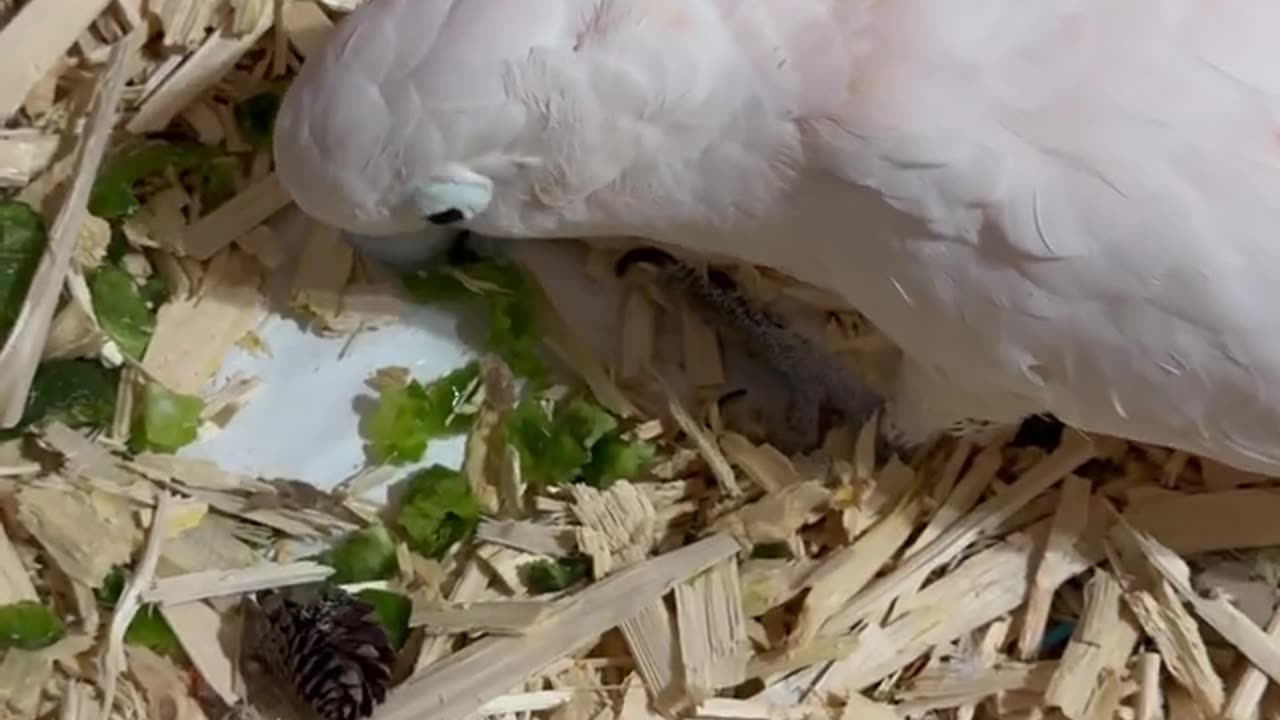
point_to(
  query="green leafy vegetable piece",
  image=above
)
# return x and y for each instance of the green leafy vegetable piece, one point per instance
(112, 196)
(447, 282)
(514, 336)
(586, 422)
(549, 453)
(22, 240)
(77, 393)
(29, 625)
(408, 416)
(436, 285)
(513, 328)
(150, 630)
(218, 182)
(548, 576)
(362, 556)
(121, 309)
(616, 458)
(437, 510)
(155, 290)
(256, 117)
(393, 610)
(168, 420)
(770, 551)
(579, 443)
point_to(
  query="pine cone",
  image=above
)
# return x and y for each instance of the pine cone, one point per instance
(328, 647)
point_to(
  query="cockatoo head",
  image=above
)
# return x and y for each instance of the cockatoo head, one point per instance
(506, 118)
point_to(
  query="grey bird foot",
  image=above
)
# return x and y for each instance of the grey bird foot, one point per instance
(818, 381)
(892, 443)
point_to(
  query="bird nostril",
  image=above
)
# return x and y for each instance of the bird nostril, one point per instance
(445, 217)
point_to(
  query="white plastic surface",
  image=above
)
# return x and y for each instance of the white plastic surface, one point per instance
(302, 422)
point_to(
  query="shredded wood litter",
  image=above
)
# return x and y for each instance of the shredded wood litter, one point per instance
(1029, 577)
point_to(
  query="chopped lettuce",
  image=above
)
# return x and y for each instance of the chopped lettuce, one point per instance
(155, 290)
(77, 393)
(121, 309)
(217, 182)
(585, 421)
(577, 442)
(22, 241)
(167, 421)
(108, 593)
(514, 335)
(549, 453)
(148, 628)
(616, 458)
(393, 610)
(112, 196)
(256, 117)
(436, 285)
(408, 416)
(437, 510)
(548, 576)
(29, 625)
(513, 328)
(770, 551)
(363, 555)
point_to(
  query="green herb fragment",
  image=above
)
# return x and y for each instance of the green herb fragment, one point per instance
(362, 556)
(148, 628)
(218, 183)
(409, 416)
(437, 285)
(393, 610)
(447, 282)
(122, 311)
(76, 393)
(549, 576)
(23, 237)
(112, 587)
(579, 443)
(113, 197)
(28, 625)
(155, 290)
(549, 453)
(615, 458)
(256, 118)
(585, 421)
(514, 334)
(770, 551)
(437, 510)
(168, 420)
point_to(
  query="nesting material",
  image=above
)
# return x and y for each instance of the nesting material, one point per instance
(194, 335)
(1086, 579)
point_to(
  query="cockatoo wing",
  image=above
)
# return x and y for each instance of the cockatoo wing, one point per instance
(1096, 188)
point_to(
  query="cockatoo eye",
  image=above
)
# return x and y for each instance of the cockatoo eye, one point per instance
(446, 217)
(458, 196)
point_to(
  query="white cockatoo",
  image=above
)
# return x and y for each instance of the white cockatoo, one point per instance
(1065, 207)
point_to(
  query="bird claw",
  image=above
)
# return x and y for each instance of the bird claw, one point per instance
(648, 255)
(890, 443)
